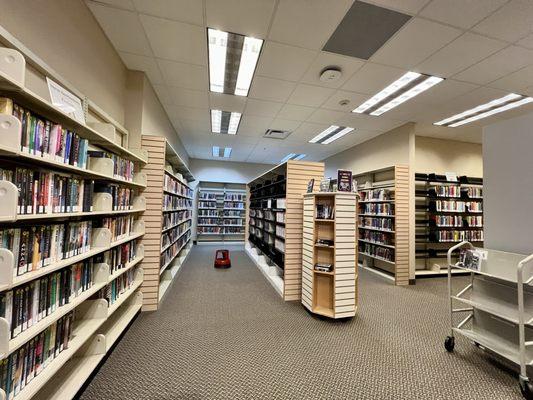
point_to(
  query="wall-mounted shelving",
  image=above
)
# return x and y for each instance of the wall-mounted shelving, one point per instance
(274, 223)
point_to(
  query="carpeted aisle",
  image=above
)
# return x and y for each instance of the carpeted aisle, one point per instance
(226, 334)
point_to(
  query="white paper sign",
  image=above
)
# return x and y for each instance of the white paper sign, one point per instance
(451, 176)
(66, 101)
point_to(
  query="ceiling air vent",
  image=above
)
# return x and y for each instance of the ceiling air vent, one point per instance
(276, 134)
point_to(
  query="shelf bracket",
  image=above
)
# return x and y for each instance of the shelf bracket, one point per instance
(8, 201)
(10, 130)
(4, 338)
(12, 67)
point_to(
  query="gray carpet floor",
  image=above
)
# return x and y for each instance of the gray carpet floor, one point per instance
(226, 334)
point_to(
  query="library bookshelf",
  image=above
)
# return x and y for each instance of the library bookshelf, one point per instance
(168, 219)
(449, 210)
(383, 221)
(329, 255)
(221, 212)
(76, 209)
(274, 223)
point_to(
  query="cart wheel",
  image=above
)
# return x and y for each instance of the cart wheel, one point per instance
(526, 388)
(449, 343)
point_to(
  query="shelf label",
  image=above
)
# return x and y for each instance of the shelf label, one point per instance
(451, 176)
(66, 101)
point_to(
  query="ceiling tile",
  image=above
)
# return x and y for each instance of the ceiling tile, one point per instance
(307, 130)
(145, 64)
(526, 41)
(463, 52)
(196, 127)
(246, 17)
(369, 122)
(497, 65)
(262, 108)
(461, 13)
(472, 99)
(311, 96)
(416, 41)
(295, 61)
(184, 75)
(295, 112)
(254, 126)
(163, 94)
(407, 6)
(323, 116)
(188, 97)
(227, 102)
(347, 65)
(123, 29)
(284, 124)
(271, 89)
(197, 114)
(176, 41)
(517, 81)
(511, 22)
(354, 100)
(372, 78)
(190, 11)
(125, 4)
(317, 19)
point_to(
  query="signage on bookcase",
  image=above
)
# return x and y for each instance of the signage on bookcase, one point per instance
(344, 180)
(451, 176)
(66, 101)
(310, 185)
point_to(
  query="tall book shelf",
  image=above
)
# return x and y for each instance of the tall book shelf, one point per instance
(383, 225)
(71, 199)
(221, 213)
(168, 219)
(449, 210)
(274, 223)
(329, 257)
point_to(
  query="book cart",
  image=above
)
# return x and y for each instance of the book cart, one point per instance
(88, 293)
(496, 311)
(168, 219)
(329, 256)
(274, 223)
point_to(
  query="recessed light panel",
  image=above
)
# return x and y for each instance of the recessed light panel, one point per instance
(225, 122)
(292, 156)
(232, 61)
(331, 134)
(408, 86)
(219, 153)
(496, 106)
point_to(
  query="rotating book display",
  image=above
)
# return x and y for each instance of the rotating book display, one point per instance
(70, 230)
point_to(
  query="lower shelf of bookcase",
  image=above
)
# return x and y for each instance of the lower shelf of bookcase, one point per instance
(275, 280)
(327, 312)
(114, 307)
(170, 274)
(119, 322)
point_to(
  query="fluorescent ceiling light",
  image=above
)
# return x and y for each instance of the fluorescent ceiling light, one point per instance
(225, 121)
(232, 61)
(495, 106)
(408, 86)
(226, 152)
(292, 156)
(216, 151)
(331, 134)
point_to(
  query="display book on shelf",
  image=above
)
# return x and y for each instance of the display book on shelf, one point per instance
(449, 209)
(221, 213)
(168, 219)
(383, 221)
(495, 308)
(274, 223)
(329, 256)
(69, 224)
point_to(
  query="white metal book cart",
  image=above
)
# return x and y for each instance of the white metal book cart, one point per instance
(498, 304)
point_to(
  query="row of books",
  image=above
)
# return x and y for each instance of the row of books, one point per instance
(473, 192)
(256, 213)
(378, 208)
(207, 204)
(122, 197)
(28, 304)
(170, 236)
(36, 247)
(236, 221)
(172, 202)
(118, 257)
(457, 236)
(324, 211)
(174, 218)
(120, 227)
(208, 213)
(210, 229)
(22, 366)
(232, 205)
(375, 194)
(377, 251)
(234, 197)
(458, 221)
(169, 254)
(122, 168)
(117, 287)
(280, 217)
(279, 245)
(280, 231)
(233, 230)
(446, 190)
(47, 139)
(171, 184)
(458, 206)
(378, 237)
(208, 196)
(233, 213)
(208, 221)
(377, 223)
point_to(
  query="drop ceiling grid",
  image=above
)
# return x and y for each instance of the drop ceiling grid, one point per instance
(296, 96)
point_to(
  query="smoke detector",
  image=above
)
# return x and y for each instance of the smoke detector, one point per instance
(276, 134)
(330, 74)
(344, 102)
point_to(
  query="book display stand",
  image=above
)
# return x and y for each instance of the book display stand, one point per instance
(94, 316)
(329, 256)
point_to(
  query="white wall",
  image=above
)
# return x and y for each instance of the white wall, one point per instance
(508, 185)
(226, 171)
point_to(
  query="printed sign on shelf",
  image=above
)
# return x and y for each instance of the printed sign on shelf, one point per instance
(66, 101)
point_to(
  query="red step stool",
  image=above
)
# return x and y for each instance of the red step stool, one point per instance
(222, 259)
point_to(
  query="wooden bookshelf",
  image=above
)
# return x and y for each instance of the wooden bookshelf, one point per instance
(447, 212)
(100, 317)
(332, 293)
(275, 204)
(383, 222)
(168, 219)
